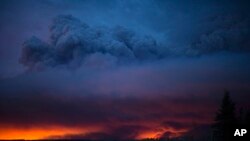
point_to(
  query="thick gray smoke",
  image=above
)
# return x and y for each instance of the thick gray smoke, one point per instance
(74, 43)
(224, 33)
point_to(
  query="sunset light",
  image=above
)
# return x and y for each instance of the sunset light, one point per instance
(39, 133)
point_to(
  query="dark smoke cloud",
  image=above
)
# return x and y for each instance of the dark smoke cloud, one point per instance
(178, 27)
(223, 33)
(74, 43)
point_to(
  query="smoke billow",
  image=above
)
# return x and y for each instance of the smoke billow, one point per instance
(74, 43)
(224, 33)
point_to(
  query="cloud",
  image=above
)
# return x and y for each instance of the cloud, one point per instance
(74, 43)
(225, 32)
(36, 52)
(119, 133)
(192, 29)
(177, 125)
(126, 94)
(115, 117)
(41, 109)
(146, 97)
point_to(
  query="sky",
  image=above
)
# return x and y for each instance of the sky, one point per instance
(119, 69)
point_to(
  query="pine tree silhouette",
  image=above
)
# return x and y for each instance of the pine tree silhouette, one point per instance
(225, 119)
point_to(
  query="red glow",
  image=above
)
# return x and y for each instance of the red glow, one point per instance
(157, 134)
(39, 133)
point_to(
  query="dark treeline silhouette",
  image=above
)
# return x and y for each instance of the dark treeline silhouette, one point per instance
(227, 120)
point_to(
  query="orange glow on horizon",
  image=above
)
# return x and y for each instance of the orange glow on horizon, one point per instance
(157, 134)
(148, 135)
(58, 132)
(39, 133)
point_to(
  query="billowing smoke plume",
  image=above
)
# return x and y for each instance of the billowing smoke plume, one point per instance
(74, 43)
(224, 33)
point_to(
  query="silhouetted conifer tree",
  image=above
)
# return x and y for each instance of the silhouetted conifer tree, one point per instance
(225, 119)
